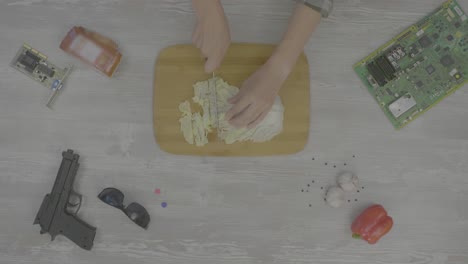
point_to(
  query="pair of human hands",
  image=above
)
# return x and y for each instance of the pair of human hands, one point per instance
(257, 94)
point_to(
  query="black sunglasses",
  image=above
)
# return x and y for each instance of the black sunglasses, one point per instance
(137, 213)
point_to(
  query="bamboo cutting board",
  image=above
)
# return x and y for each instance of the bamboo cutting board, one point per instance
(179, 67)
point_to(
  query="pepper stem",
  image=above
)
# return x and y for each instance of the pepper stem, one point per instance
(356, 236)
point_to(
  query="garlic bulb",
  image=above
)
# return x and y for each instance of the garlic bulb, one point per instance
(347, 181)
(335, 197)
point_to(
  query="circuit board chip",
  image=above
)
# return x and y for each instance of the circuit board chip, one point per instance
(430, 69)
(419, 67)
(46, 70)
(402, 105)
(28, 61)
(425, 41)
(447, 60)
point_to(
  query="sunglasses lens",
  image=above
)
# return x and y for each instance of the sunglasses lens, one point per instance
(138, 214)
(112, 196)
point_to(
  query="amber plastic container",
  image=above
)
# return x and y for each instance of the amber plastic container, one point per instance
(92, 48)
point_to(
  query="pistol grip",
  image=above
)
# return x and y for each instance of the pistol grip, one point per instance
(78, 231)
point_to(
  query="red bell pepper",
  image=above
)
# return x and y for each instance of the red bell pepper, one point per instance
(372, 224)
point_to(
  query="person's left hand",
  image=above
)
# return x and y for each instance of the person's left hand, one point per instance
(256, 97)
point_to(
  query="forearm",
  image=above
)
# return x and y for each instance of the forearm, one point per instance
(303, 23)
(201, 5)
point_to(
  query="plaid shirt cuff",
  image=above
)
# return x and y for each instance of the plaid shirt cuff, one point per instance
(323, 6)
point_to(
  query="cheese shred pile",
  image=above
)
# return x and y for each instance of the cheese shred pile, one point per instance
(196, 126)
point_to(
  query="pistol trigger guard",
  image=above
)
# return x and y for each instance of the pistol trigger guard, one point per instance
(80, 198)
(73, 206)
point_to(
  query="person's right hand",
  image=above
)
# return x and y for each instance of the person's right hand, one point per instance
(211, 34)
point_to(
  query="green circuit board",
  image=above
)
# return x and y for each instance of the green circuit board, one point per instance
(36, 66)
(421, 66)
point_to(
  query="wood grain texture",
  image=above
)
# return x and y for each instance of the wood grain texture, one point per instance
(225, 210)
(179, 67)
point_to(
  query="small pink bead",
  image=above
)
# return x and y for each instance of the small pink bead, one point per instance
(157, 191)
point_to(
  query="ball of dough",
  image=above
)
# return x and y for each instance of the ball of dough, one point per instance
(348, 181)
(335, 197)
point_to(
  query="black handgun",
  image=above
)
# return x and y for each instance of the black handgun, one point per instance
(55, 217)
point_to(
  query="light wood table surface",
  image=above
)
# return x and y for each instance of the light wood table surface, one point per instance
(225, 210)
